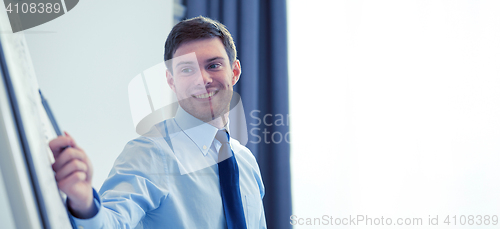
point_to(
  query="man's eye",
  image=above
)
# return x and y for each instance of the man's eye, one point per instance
(186, 70)
(212, 66)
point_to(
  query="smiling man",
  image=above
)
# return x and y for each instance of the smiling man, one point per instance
(204, 79)
(186, 172)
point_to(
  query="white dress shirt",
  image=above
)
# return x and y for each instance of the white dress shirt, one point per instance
(169, 178)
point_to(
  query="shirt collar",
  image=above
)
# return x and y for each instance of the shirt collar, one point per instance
(200, 132)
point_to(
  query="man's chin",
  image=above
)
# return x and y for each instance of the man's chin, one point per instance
(205, 110)
(206, 115)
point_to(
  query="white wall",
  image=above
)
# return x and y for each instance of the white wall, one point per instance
(84, 61)
(395, 108)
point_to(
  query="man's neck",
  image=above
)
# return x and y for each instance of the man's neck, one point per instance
(220, 122)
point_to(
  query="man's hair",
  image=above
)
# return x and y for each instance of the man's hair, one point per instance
(198, 28)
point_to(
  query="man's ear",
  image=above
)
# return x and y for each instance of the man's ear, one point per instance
(170, 80)
(236, 68)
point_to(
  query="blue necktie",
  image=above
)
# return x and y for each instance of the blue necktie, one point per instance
(229, 184)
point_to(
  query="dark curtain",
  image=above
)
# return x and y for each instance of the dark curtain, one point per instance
(259, 31)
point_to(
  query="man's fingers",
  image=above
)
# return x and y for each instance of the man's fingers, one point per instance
(68, 155)
(67, 183)
(66, 134)
(60, 143)
(71, 167)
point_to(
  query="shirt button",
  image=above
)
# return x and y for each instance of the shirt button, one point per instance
(204, 147)
(80, 227)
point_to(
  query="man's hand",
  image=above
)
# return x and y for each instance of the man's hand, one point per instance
(74, 176)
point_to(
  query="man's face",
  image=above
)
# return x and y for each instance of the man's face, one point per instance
(203, 78)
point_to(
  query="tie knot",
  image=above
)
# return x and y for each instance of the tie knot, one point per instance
(222, 136)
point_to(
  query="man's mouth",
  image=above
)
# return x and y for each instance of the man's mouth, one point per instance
(205, 95)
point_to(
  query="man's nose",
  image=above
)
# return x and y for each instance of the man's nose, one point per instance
(206, 77)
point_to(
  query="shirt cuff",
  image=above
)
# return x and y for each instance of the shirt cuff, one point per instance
(94, 222)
